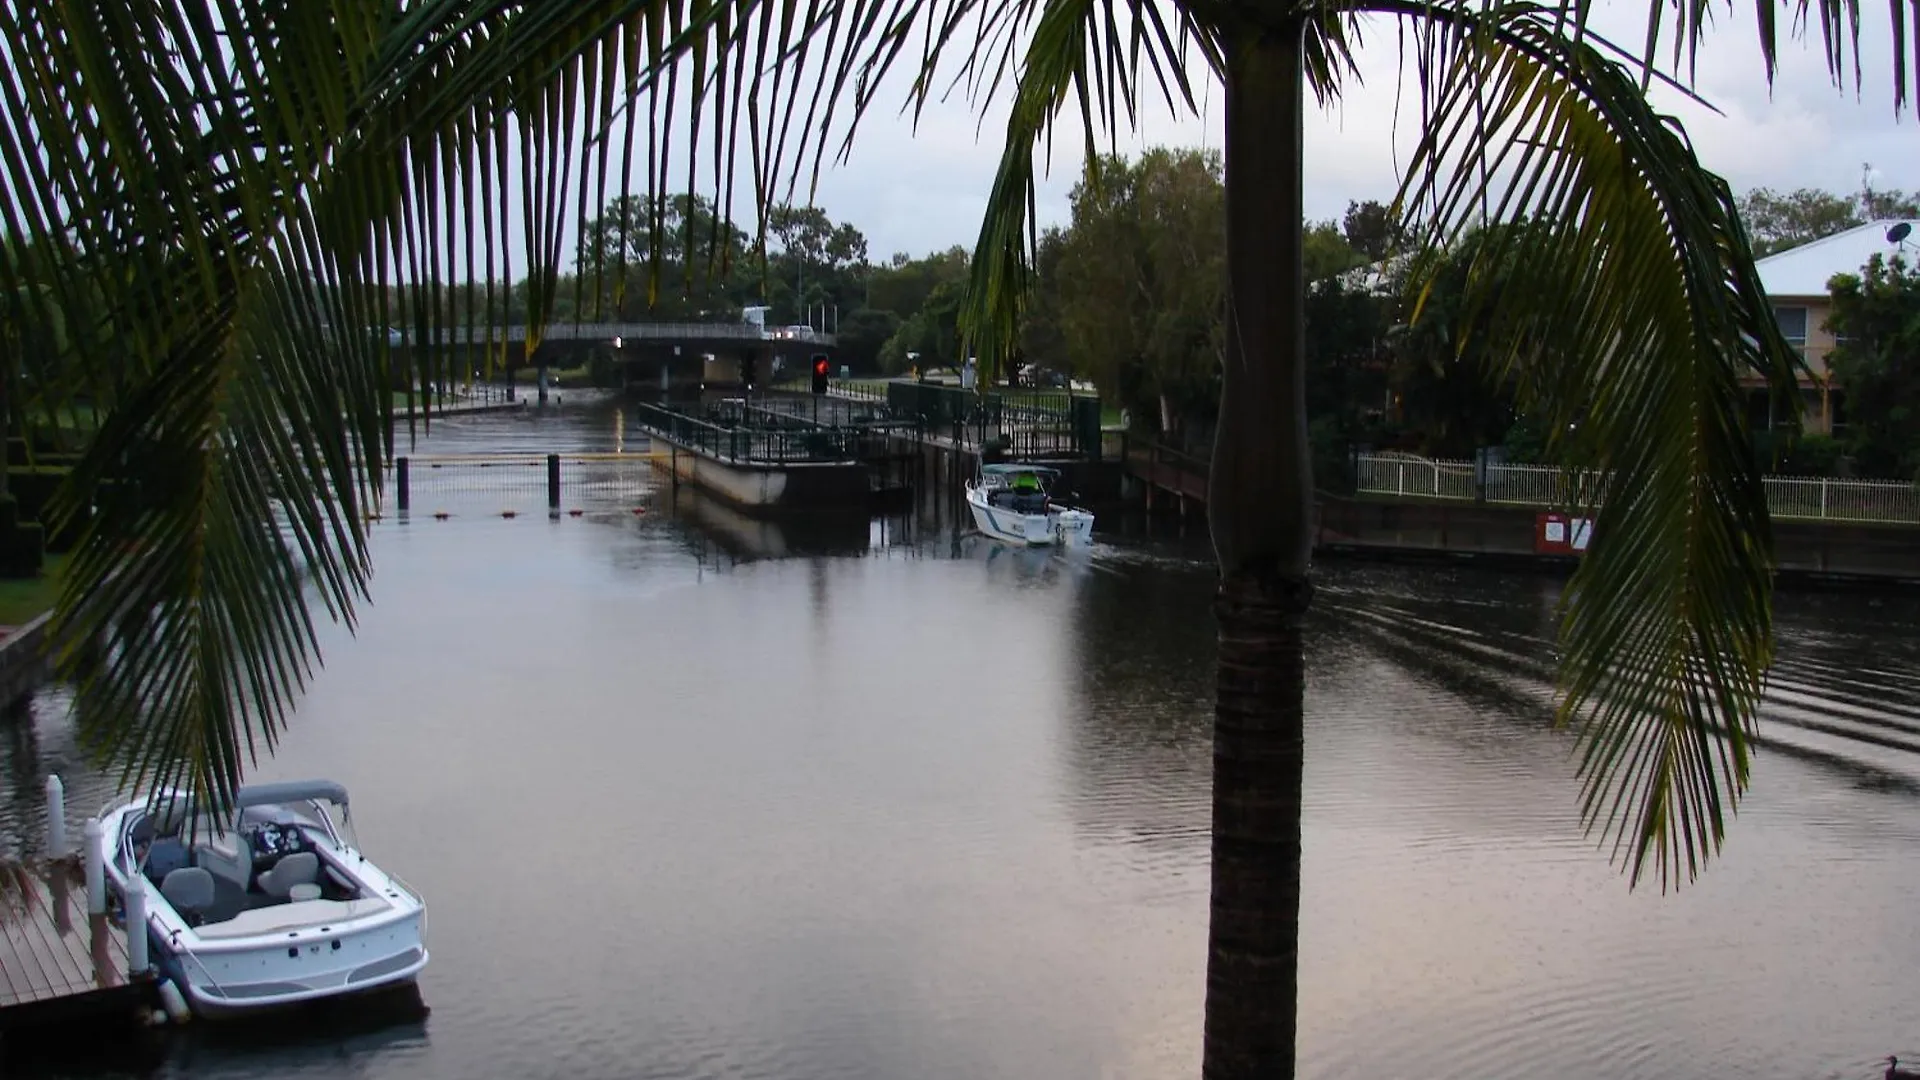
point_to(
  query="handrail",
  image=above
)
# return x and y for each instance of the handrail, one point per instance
(1806, 498)
(520, 458)
(607, 331)
(1162, 454)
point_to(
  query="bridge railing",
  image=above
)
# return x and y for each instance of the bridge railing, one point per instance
(630, 331)
(1788, 497)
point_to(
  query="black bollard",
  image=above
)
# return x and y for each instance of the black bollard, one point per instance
(553, 481)
(402, 496)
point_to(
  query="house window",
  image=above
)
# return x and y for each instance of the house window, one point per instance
(1793, 325)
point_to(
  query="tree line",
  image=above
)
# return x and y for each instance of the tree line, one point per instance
(1128, 295)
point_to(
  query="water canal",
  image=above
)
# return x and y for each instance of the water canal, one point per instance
(909, 809)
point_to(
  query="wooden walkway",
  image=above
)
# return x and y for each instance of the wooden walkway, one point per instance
(56, 961)
(1169, 471)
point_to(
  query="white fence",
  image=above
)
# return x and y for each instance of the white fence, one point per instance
(1788, 497)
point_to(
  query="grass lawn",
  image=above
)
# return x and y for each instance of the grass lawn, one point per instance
(21, 599)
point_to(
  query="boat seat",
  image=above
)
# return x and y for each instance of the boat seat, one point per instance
(300, 868)
(165, 856)
(190, 890)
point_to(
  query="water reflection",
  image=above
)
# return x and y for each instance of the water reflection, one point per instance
(745, 537)
(693, 799)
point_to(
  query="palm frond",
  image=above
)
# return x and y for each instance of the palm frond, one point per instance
(243, 196)
(239, 198)
(1616, 284)
(19, 895)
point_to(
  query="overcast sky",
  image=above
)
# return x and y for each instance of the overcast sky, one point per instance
(921, 191)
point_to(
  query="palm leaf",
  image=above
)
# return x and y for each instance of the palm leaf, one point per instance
(240, 187)
(249, 192)
(1621, 296)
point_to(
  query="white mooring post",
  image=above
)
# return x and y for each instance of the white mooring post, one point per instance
(137, 928)
(96, 870)
(56, 817)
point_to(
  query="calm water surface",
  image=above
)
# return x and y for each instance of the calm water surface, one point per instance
(692, 797)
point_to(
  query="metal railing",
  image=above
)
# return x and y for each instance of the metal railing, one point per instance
(854, 390)
(1826, 499)
(1788, 497)
(772, 439)
(627, 331)
(1414, 477)
(1026, 422)
(516, 482)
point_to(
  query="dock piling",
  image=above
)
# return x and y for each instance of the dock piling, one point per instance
(96, 869)
(137, 929)
(401, 494)
(553, 481)
(56, 817)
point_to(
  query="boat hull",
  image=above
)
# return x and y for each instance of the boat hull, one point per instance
(284, 954)
(1057, 528)
(264, 977)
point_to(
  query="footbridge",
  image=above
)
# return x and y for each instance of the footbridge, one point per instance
(650, 355)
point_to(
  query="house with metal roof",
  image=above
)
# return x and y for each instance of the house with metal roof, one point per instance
(1796, 283)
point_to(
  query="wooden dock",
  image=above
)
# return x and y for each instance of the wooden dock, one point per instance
(56, 961)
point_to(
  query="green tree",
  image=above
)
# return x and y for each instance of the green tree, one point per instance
(1347, 359)
(1876, 316)
(905, 283)
(1139, 286)
(669, 260)
(1043, 341)
(930, 337)
(1372, 229)
(1778, 221)
(862, 333)
(211, 162)
(813, 264)
(1326, 252)
(1453, 393)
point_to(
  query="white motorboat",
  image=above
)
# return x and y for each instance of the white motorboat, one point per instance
(271, 906)
(1014, 502)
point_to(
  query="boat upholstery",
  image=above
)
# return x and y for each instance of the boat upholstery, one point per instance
(189, 889)
(225, 856)
(165, 856)
(291, 916)
(1020, 502)
(300, 868)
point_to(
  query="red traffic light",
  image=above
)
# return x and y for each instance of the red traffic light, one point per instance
(819, 365)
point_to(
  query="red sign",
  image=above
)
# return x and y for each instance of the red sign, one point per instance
(1561, 534)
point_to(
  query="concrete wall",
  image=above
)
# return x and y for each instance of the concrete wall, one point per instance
(770, 488)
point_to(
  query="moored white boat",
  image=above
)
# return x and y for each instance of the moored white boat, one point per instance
(271, 906)
(1014, 503)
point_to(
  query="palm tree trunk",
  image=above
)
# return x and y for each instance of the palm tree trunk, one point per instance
(1260, 511)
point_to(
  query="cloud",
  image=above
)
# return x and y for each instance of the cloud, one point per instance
(925, 190)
